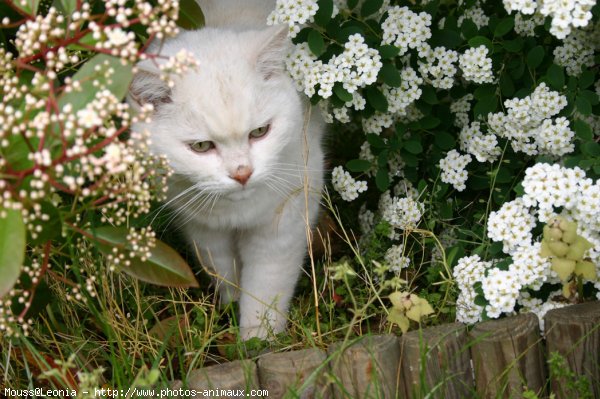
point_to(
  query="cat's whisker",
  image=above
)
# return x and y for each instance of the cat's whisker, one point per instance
(198, 201)
(188, 191)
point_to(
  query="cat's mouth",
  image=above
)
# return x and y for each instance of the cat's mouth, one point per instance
(240, 194)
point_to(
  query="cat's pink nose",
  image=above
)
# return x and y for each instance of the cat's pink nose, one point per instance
(242, 174)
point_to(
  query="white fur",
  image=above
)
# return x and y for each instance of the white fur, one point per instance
(254, 236)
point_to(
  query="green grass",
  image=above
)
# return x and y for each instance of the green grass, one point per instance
(123, 334)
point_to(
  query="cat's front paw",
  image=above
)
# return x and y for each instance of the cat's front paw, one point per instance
(247, 333)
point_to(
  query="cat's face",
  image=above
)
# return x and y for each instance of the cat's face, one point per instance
(225, 126)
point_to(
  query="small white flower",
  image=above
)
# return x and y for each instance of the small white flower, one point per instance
(88, 118)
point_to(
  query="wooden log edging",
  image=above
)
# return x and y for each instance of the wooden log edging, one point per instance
(443, 368)
(574, 332)
(507, 355)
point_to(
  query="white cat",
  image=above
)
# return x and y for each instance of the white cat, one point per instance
(247, 156)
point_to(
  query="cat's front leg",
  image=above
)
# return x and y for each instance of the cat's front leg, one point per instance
(272, 257)
(215, 249)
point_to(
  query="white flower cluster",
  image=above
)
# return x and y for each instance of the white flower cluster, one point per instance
(532, 268)
(526, 26)
(294, 13)
(406, 29)
(548, 188)
(460, 108)
(38, 32)
(357, 67)
(565, 14)
(501, 289)
(475, 14)
(468, 271)
(177, 64)
(576, 53)
(345, 184)
(119, 42)
(528, 124)
(539, 307)
(402, 213)
(366, 219)
(395, 259)
(476, 65)
(399, 100)
(453, 169)
(439, 66)
(512, 225)
(484, 147)
(552, 186)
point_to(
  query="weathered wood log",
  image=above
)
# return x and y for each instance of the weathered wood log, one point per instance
(436, 361)
(227, 378)
(368, 368)
(507, 356)
(574, 332)
(299, 374)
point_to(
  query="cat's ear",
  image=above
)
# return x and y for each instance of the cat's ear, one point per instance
(273, 47)
(147, 88)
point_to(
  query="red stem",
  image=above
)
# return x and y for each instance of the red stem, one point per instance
(43, 270)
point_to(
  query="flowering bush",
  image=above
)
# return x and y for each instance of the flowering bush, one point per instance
(74, 178)
(465, 156)
(475, 122)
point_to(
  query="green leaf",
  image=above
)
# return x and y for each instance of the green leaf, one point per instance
(358, 165)
(444, 140)
(50, 228)
(481, 41)
(583, 105)
(583, 130)
(555, 76)
(504, 26)
(590, 96)
(382, 179)
(485, 106)
(165, 267)
(190, 15)
(388, 51)
(591, 148)
(469, 29)
(535, 56)
(447, 38)
(352, 4)
(586, 79)
(390, 75)
(513, 46)
(323, 15)
(17, 152)
(429, 122)
(117, 84)
(481, 301)
(507, 87)
(65, 6)
(376, 99)
(413, 146)
(12, 248)
(429, 95)
(29, 7)
(454, 254)
(375, 141)
(370, 7)
(342, 93)
(485, 91)
(397, 317)
(316, 42)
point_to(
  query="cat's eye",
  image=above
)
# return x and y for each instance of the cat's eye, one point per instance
(201, 146)
(259, 132)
